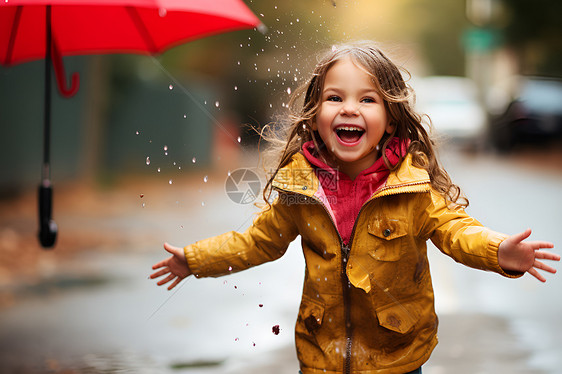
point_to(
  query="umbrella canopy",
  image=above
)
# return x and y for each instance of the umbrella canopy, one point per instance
(50, 29)
(105, 26)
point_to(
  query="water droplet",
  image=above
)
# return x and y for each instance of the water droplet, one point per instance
(217, 104)
(194, 160)
(239, 139)
(137, 132)
(289, 90)
(235, 88)
(171, 87)
(143, 205)
(205, 179)
(165, 148)
(185, 116)
(230, 268)
(158, 170)
(170, 181)
(148, 160)
(202, 203)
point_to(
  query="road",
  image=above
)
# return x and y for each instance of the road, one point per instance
(95, 311)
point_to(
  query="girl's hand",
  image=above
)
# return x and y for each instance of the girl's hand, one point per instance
(175, 266)
(516, 255)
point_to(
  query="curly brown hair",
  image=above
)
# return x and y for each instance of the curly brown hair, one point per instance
(288, 139)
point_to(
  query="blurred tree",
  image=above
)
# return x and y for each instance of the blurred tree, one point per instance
(442, 25)
(534, 32)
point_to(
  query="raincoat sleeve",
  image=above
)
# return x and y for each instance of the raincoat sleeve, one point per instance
(265, 240)
(462, 237)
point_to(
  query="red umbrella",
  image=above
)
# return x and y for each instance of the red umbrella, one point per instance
(50, 29)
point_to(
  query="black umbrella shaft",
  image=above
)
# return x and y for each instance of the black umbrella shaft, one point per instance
(46, 173)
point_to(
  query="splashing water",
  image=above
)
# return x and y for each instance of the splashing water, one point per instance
(206, 179)
(148, 160)
(170, 181)
(171, 87)
(193, 160)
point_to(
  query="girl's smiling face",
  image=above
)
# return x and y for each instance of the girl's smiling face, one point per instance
(351, 118)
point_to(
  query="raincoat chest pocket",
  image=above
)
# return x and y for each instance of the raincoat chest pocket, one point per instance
(388, 235)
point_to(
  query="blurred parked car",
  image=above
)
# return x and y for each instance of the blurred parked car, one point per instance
(452, 105)
(531, 111)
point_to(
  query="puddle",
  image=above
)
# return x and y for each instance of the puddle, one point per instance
(196, 364)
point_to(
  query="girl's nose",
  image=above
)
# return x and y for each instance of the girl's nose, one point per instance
(349, 109)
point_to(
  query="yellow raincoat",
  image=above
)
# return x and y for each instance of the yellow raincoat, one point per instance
(367, 307)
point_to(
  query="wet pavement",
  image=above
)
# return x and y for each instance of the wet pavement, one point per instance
(95, 311)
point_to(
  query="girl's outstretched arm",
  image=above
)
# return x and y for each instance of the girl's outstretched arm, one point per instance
(175, 266)
(514, 254)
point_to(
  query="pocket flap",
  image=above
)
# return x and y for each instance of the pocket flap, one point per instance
(400, 316)
(387, 228)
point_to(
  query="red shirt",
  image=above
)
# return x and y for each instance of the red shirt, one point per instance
(344, 197)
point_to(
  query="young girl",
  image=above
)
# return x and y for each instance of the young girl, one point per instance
(359, 181)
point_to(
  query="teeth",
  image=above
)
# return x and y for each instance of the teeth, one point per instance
(349, 128)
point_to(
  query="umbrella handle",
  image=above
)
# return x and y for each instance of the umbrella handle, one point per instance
(60, 74)
(47, 227)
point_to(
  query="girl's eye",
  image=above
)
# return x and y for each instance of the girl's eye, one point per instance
(368, 100)
(333, 98)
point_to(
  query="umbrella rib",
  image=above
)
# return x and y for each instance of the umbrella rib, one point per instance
(13, 33)
(141, 27)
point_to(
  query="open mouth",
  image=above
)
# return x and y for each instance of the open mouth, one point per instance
(349, 134)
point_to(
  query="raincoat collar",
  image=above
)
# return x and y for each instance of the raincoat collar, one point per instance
(298, 176)
(393, 152)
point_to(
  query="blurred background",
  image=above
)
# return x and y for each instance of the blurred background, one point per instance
(142, 153)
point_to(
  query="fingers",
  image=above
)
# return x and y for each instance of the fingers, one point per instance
(539, 245)
(160, 264)
(166, 280)
(536, 274)
(547, 256)
(540, 265)
(178, 279)
(159, 273)
(171, 249)
(521, 236)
